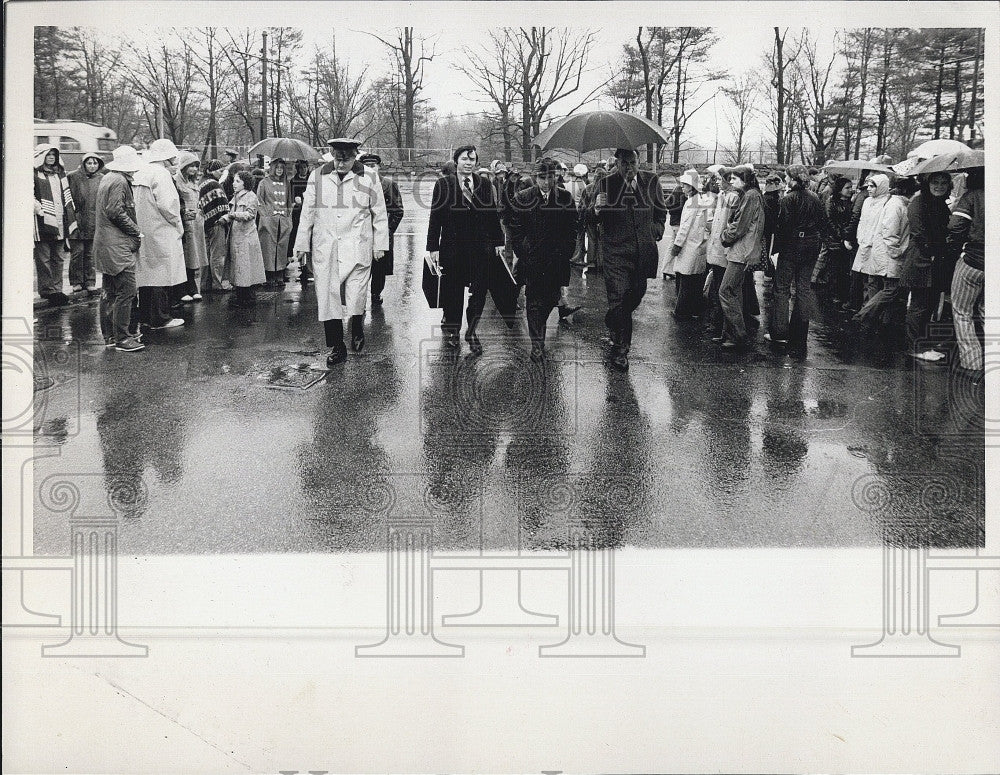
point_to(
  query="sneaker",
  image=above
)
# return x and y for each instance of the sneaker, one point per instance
(187, 297)
(932, 356)
(77, 288)
(174, 323)
(226, 286)
(196, 297)
(129, 346)
(110, 341)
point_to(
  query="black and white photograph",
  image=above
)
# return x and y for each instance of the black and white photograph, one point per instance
(500, 387)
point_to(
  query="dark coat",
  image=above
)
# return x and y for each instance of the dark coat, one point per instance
(928, 219)
(464, 233)
(84, 188)
(116, 230)
(543, 231)
(632, 222)
(394, 209)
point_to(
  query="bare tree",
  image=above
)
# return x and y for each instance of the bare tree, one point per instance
(692, 46)
(778, 60)
(493, 73)
(410, 53)
(819, 119)
(163, 77)
(283, 44)
(743, 95)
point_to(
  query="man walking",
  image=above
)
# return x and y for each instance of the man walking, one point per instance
(116, 250)
(632, 213)
(394, 209)
(343, 227)
(543, 229)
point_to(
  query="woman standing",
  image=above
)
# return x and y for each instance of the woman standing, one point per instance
(55, 222)
(246, 261)
(833, 268)
(725, 200)
(875, 200)
(275, 226)
(927, 215)
(690, 248)
(801, 223)
(195, 248)
(743, 236)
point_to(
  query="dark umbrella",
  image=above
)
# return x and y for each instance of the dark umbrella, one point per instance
(284, 148)
(601, 129)
(951, 162)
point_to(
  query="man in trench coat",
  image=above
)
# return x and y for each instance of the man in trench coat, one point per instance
(632, 213)
(343, 228)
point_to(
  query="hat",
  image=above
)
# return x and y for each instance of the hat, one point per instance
(162, 150)
(230, 152)
(277, 160)
(546, 166)
(186, 159)
(619, 152)
(496, 166)
(717, 169)
(370, 158)
(691, 178)
(215, 165)
(798, 172)
(343, 144)
(580, 170)
(326, 156)
(125, 159)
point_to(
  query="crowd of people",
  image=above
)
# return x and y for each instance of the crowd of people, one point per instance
(897, 252)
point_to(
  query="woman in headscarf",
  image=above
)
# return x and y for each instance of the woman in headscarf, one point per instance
(689, 250)
(55, 222)
(195, 247)
(927, 214)
(743, 235)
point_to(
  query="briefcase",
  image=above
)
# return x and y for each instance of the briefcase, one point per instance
(431, 284)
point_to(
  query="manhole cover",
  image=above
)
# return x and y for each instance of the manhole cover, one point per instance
(299, 376)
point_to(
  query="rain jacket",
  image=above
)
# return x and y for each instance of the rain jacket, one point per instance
(868, 221)
(116, 231)
(928, 220)
(195, 248)
(343, 223)
(724, 203)
(275, 222)
(967, 228)
(158, 207)
(245, 263)
(84, 187)
(744, 234)
(693, 234)
(890, 238)
(55, 215)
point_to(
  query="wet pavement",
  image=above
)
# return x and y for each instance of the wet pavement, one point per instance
(222, 436)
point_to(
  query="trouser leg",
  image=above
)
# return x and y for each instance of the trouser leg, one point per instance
(537, 311)
(477, 301)
(804, 307)
(81, 268)
(967, 303)
(154, 303)
(108, 293)
(123, 304)
(731, 300)
(918, 316)
(856, 292)
(378, 281)
(49, 267)
(333, 330)
(216, 239)
(751, 305)
(452, 302)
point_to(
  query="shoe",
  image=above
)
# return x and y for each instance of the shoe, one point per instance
(451, 340)
(932, 356)
(358, 342)
(337, 355)
(619, 360)
(77, 288)
(474, 344)
(537, 353)
(729, 344)
(137, 336)
(129, 346)
(110, 342)
(796, 352)
(174, 323)
(91, 289)
(718, 339)
(187, 297)
(226, 286)
(196, 297)
(58, 299)
(565, 310)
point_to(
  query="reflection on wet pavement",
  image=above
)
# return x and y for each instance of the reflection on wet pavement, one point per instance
(692, 447)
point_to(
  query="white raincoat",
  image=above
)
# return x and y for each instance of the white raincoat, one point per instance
(692, 235)
(343, 223)
(158, 212)
(716, 251)
(868, 225)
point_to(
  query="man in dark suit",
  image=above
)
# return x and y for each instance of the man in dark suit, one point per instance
(632, 213)
(543, 230)
(394, 207)
(464, 239)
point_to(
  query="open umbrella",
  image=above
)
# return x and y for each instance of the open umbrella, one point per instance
(951, 162)
(853, 165)
(933, 148)
(284, 148)
(601, 129)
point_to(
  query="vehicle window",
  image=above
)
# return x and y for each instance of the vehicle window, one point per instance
(105, 145)
(69, 144)
(41, 140)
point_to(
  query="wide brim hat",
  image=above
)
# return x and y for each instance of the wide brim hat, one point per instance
(691, 178)
(343, 144)
(580, 170)
(162, 150)
(125, 158)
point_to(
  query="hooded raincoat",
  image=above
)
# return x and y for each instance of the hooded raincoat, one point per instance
(245, 267)
(195, 248)
(275, 226)
(692, 235)
(84, 187)
(55, 215)
(868, 224)
(158, 208)
(343, 222)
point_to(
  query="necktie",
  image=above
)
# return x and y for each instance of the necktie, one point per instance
(467, 189)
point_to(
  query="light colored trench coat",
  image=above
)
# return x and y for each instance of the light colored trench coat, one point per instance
(195, 248)
(158, 212)
(692, 235)
(343, 223)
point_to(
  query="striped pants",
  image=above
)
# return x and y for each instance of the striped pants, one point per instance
(968, 305)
